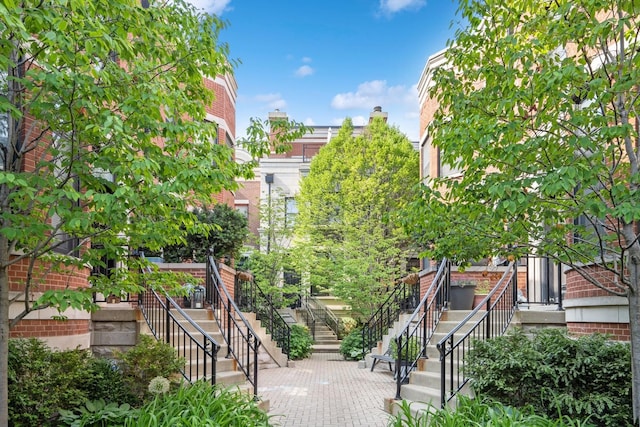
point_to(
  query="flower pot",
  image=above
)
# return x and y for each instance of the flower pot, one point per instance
(477, 299)
(461, 297)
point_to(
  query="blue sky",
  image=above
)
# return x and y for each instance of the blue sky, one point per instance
(322, 61)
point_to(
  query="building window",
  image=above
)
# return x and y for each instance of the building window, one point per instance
(291, 211)
(244, 210)
(446, 170)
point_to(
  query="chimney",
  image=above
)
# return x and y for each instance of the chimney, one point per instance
(377, 112)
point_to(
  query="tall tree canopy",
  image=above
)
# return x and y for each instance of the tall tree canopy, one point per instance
(539, 108)
(105, 143)
(348, 225)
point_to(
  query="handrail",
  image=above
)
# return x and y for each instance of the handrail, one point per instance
(200, 353)
(494, 322)
(412, 341)
(249, 297)
(242, 341)
(403, 297)
(324, 314)
(309, 319)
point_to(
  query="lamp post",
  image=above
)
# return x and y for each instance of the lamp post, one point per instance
(268, 178)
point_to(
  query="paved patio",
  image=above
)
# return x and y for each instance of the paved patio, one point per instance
(325, 390)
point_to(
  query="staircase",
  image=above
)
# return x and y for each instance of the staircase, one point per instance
(226, 368)
(325, 341)
(424, 387)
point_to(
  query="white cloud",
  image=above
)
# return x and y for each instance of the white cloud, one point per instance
(393, 6)
(304, 71)
(309, 122)
(216, 7)
(271, 100)
(400, 102)
(306, 59)
(375, 92)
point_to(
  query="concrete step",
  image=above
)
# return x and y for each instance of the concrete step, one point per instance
(325, 348)
(418, 393)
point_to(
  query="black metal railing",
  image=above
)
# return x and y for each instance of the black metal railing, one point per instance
(309, 319)
(500, 305)
(167, 322)
(404, 297)
(545, 281)
(324, 315)
(413, 338)
(242, 341)
(250, 298)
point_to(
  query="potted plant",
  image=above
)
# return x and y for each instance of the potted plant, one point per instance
(462, 294)
(482, 290)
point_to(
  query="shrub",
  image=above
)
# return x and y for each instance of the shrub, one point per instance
(146, 360)
(200, 405)
(106, 382)
(587, 377)
(301, 341)
(351, 346)
(43, 381)
(410, 349)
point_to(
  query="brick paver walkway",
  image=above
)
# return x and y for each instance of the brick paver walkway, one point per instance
(326, 391)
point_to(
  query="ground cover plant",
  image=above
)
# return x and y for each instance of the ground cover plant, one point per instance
(476, 412)
(554, 374)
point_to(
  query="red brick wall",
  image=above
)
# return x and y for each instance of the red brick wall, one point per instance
(618, 331)
(251, 191)
(579, 287)
(46, 280)
(223, 106)
(476, 276)
(228, 276)
(49, 328)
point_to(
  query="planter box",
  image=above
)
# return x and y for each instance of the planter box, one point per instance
(461, 297)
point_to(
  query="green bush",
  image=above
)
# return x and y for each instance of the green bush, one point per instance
(301, 341)
(476, 412)
(148, 359)
(410, 350)
(200, 405)
(42, 381)
(351, 346)
(106, 382)
(587, 377)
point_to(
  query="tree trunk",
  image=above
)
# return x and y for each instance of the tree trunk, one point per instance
(4, 332)
(634, 326)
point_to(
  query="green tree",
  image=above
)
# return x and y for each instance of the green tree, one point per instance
(277, 256)
(348, 227)
(539, 108)
(226, 239)
(105, 145)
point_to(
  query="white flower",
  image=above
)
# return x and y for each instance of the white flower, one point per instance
(159, 385)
